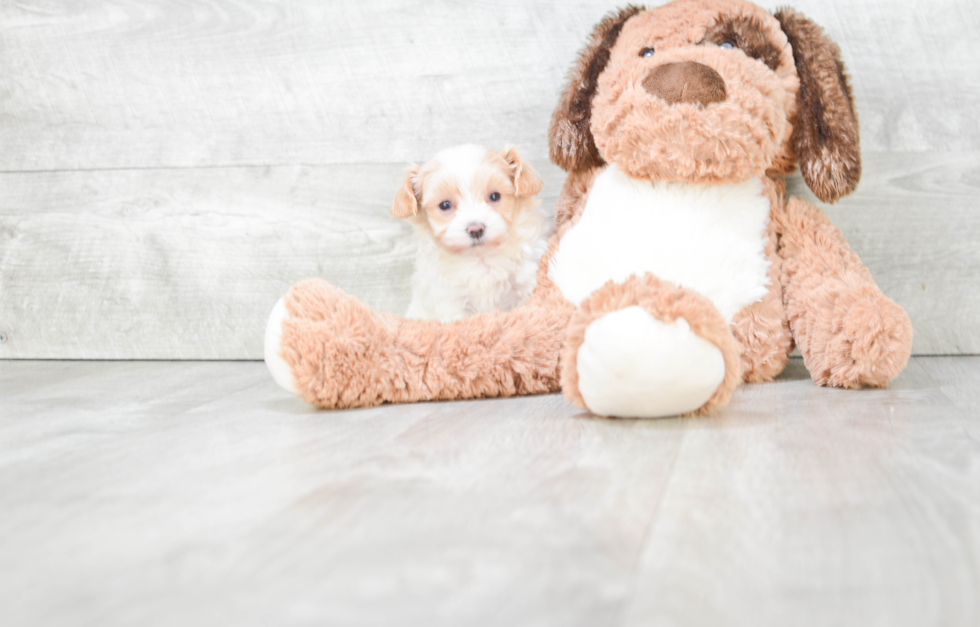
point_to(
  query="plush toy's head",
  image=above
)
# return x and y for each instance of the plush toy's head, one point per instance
(710, 91)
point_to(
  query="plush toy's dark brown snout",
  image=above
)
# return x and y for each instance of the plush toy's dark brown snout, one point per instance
(686, 81)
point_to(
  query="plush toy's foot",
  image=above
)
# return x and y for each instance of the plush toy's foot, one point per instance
(633, 365)
(865, 341)
(646, 349)
(278, 368)
(849, 333)
(324, 346)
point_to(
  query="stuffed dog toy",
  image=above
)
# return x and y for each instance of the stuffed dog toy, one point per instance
(679, 267)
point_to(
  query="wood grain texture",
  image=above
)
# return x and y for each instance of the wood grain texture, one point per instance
(192, 493)
(163, 83)
(244, 82)
(186, 263)
(169, 168)
(847, 517)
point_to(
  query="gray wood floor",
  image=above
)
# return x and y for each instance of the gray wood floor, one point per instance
(167, 493)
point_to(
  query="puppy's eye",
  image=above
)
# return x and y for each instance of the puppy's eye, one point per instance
(494, 197)
(445, 205)
(727, 45)
(646, 52)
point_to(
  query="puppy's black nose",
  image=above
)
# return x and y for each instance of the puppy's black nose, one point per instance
(475, 230)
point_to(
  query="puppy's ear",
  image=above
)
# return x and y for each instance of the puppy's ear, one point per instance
(570, 139)
(825, 131)
(526, 180)
(406, 202)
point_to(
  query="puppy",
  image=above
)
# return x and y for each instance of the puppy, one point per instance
(479, 228)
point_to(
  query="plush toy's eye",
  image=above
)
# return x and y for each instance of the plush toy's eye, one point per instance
(494, 197)
(646, 52)
(445, 205)
(727, 45)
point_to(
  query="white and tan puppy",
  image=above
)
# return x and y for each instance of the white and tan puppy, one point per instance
(480, 231)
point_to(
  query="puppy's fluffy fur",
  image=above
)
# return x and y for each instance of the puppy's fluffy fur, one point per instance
(479, 228)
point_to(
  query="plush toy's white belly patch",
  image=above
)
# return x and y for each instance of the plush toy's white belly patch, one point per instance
(709, 238)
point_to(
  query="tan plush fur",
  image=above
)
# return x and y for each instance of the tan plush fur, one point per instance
(761, 329)
(573, 195)
(664, 301)
(729, 141)
(850, 334)
(344, 354)
(569, 136)
(786, 98)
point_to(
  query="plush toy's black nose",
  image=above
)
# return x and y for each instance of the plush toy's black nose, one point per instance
(475, 230)
(686, 81)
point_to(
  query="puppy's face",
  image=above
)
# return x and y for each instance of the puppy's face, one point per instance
(468, 198)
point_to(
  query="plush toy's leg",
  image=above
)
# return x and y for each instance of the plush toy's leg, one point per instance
(761, 329)
(341, 353)
(646, 348)
(763, 334)
(850, 334)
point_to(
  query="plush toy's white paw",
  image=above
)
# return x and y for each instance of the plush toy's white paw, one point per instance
(632, 365)
(277, 366)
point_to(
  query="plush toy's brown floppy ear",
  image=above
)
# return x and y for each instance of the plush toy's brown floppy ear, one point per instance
(825, 131)
(526, 180)
(570, 136)
(406, 203)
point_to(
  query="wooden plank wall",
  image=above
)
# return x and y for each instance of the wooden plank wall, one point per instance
(169, 168)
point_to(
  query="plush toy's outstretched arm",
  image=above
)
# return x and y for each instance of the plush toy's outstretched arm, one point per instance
(341, 353)
(850, 334)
